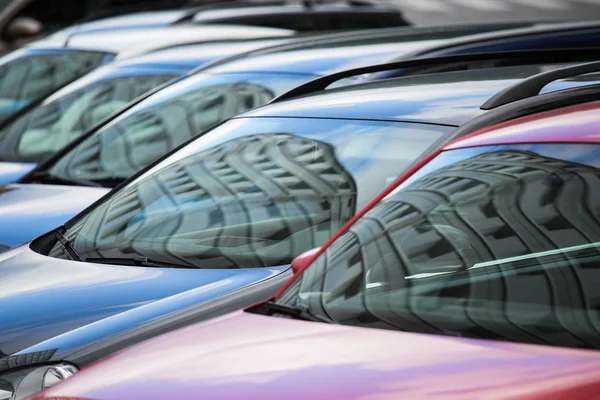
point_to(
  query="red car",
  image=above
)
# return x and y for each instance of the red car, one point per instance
(475, 276)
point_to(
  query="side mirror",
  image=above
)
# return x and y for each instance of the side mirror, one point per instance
(304, 260)
(23, 27)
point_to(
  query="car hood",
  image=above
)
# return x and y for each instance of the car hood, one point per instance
(30, 210)
(11, 172)
(260, 357)
(43, 297)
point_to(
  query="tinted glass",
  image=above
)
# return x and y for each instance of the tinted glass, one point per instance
(45, 129)
(33, 76)
(499, 242)
(254, 192)
(166, 120)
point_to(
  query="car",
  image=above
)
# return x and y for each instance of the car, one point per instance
(22, 21)
(538, 36)
(472, 274)
(159, 122)
(296, 15)
(47, 125)
(42, 67)
(213, 226)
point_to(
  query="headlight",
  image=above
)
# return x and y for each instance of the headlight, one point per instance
(17, 385)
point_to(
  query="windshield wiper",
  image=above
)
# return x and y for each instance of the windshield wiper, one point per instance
(300, 312)
(137, 261)
(66, 246)
(46, 177)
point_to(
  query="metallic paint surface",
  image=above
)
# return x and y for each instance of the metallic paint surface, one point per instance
(248, 356)
(11, 172)
(42, 297)
(30, 210)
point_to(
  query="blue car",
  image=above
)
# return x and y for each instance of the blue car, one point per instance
(45, 127)
(163, 120)
(215, 224)
(39, 69)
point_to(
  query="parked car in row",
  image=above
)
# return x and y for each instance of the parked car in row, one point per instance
(214, 225)
(48, 125)
(22, 21)
(42, 67)
(476, 271)
(301, 16)
(307, 58)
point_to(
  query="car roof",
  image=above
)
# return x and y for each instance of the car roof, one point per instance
(497, 38)
(294, 9)
(450, 98)
(191, 55)
(144, 40)
(323, 54)
(578, 123)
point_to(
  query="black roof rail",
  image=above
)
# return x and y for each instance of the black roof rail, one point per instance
(532, 86)
(554, 55)
(530, 105)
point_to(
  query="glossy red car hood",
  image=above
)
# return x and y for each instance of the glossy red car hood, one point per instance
(245, 356)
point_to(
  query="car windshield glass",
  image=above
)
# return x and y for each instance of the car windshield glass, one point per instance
(253, 192)
(52, 125)
(166, 120)
(499, 242)
(29, 75)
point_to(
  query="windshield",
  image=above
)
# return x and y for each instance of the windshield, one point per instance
(29, 75)
(253, 192)
(166, 120)
(499, 242)
(47, 128)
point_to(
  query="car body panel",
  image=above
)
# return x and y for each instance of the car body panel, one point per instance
(451, 98)
(11, 172)
(78, 293)
(31, 210)
(273, 358)
(542, 36)
(323, 61)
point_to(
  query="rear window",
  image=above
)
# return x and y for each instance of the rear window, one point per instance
(499, 242)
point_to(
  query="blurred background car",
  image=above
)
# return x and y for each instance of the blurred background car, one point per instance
(489, 247)
(42, 67)
(47, 125)
(25, 20)
(213, 226)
